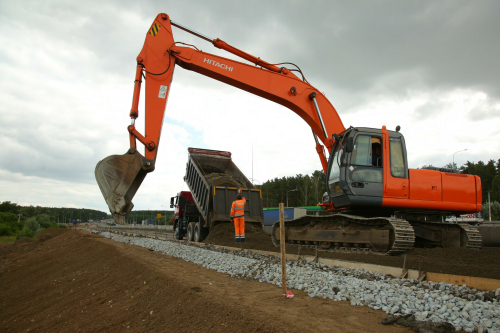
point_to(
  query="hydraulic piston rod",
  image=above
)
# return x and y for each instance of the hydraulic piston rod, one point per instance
(191, 31)
(312, 96)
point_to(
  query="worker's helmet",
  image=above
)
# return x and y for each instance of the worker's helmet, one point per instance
(238, 194)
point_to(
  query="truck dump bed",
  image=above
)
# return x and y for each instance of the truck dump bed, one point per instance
(213, 180)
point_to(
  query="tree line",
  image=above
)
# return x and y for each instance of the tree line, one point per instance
(300, 190)
(56, 215)
(22, 221)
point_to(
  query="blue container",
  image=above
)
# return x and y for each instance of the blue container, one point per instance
(271, 216)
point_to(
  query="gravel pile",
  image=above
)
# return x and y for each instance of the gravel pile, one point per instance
(222, 179)
(463, 307)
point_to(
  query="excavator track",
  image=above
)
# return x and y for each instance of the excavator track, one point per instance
(445, 234)
(402, 235)
(474, 239)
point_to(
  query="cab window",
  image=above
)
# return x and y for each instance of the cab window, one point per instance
(397, 158)
(366, 159)
(334, 176)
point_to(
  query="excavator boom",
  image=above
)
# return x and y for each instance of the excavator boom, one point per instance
(119, 176)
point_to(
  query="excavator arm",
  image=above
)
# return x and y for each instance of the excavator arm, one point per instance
(119, 176)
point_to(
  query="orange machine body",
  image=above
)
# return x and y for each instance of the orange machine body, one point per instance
(430, 190)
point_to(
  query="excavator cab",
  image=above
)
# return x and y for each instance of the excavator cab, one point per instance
(361, 162)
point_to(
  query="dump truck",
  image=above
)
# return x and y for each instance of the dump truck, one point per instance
(213, 180)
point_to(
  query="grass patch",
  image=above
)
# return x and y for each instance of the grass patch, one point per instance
(7, 240)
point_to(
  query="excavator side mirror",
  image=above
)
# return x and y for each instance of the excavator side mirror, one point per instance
(350, 145)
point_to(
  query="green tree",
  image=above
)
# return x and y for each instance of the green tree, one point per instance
(45, 221)
(451, 166)
(5, 230)
(8, 207)
(28, 211)
(495, 211)
(310, 189)
(486, 172)
(318, 180)
(305, 189)
(26, 232)
(8, 217)
(495, 189)
(32, 224)
(8, 224)
(426, 166)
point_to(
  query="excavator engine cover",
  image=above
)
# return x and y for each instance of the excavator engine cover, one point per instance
(119, 177)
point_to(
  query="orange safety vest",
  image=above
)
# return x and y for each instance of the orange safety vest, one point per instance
(238, 208)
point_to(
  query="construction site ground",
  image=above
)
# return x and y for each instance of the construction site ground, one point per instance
(457, 261)
(75, 281)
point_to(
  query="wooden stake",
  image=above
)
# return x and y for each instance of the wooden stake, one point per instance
(282, 246)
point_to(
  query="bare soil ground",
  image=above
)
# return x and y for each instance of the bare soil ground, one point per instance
(457, 261)
(74, 281)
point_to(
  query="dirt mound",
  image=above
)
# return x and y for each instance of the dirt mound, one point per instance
(255, 237)
(222, 179)
(43, 238)
(54, 231)
(23, 240)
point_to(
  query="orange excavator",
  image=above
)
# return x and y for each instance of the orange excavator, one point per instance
(377, 203)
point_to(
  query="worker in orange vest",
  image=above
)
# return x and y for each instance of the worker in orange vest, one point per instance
(238, 217)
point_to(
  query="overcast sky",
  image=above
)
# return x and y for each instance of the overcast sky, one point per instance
(67, 70)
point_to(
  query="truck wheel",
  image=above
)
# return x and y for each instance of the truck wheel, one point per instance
(198, 232)
(190, 231)
(179, 235)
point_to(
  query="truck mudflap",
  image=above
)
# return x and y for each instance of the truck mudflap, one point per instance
(119, 177)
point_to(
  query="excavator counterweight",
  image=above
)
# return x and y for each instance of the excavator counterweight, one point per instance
(119, 177)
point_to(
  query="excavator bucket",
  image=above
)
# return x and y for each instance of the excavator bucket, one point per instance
(119, 177)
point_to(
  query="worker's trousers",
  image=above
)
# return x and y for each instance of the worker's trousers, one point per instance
(239, 229)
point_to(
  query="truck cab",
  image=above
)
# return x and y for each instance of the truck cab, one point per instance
(185, 211)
